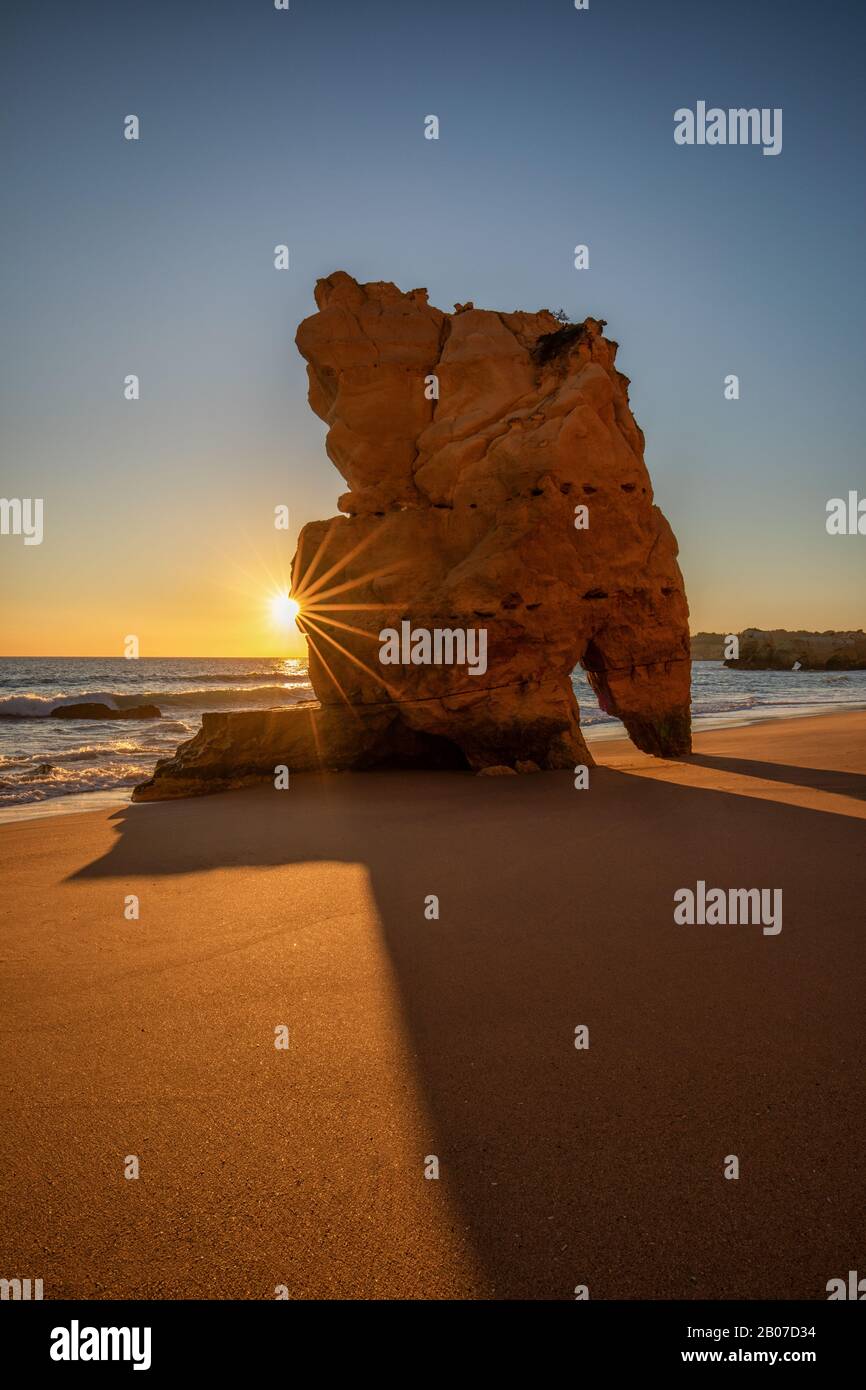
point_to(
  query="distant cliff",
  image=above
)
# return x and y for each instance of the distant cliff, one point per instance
(708, 646)
(811, 651)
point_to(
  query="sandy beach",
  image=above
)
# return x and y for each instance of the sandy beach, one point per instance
(409, 1037)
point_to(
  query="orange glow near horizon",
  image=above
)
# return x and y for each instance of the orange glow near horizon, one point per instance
(207, 605)
(223, 589)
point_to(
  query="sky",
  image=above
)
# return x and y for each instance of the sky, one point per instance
(306, 127)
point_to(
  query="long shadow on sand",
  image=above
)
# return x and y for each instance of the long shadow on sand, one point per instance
(821, 779)
(602, 1166)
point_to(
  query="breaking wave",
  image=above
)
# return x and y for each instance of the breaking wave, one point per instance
(41, 706)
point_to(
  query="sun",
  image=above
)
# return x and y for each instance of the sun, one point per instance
(284, 609)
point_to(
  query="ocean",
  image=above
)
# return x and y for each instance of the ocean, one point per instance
(48, 766)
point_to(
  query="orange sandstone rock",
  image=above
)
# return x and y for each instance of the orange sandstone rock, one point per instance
(461, 514)
(496, 484)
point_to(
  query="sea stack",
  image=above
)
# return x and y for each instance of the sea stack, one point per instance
(496, 484)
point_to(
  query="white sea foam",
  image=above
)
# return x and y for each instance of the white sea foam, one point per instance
(40, 706)
(102, 759)
(32, 706)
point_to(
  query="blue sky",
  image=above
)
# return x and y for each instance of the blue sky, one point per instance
(306, 127)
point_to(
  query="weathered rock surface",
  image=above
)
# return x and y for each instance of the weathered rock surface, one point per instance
(460, 515)
(779, 650)
(242, 747)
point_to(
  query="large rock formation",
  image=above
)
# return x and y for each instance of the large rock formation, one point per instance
(497, 488)
(779, 650)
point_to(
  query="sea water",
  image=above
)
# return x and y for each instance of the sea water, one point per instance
(53, 765)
